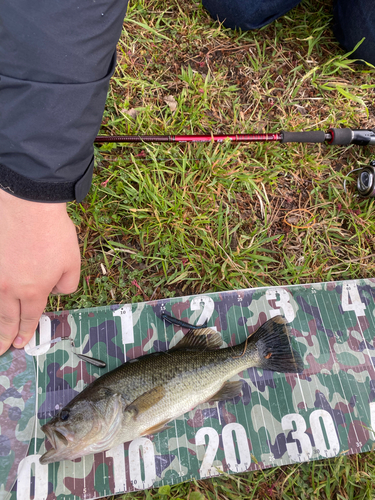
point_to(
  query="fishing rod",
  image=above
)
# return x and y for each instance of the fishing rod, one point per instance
(333, 136)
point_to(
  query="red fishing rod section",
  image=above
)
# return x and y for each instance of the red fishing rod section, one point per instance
(335, 136)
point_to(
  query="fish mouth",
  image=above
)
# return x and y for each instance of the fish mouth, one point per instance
(60, 440)
(56, 438)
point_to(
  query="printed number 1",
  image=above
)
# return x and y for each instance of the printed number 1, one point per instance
(118, 456)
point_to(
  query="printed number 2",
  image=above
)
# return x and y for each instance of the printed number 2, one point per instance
(207, 468)
(350, 291)
(208, 307)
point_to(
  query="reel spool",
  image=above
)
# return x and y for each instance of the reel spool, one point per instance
(366, 181)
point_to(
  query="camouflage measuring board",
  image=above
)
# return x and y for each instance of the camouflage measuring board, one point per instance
(17, 414)
(327, 410)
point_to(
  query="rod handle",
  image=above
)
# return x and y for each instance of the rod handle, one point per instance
(311, 136)
(346, 136)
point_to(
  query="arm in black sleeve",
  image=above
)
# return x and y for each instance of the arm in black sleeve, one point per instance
(56, 59)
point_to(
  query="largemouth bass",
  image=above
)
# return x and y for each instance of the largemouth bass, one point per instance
(140, 397)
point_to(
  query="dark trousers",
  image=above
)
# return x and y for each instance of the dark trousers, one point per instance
(352, 19)
(56, 59)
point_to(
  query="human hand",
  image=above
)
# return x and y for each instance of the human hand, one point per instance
(39, 254)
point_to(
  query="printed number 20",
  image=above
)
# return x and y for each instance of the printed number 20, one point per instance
(207, 468)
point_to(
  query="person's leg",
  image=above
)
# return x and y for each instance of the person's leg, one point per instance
(56, 59)
(352, 21)
(248, 14)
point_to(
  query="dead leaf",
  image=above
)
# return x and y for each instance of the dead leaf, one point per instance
(172, 103)
(133, 113)
(301, 109)
(293, 220)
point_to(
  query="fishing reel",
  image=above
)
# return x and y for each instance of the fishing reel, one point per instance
(365, 180)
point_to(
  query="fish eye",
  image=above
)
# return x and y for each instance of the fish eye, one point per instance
(64, 415)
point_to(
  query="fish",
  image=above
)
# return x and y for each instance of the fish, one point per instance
(140, 397)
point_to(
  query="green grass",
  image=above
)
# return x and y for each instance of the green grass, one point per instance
(176, 219)
(341, 478)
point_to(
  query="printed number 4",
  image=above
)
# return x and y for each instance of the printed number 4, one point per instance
(350, 292)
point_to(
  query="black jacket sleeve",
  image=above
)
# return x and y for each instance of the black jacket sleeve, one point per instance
(56, 59)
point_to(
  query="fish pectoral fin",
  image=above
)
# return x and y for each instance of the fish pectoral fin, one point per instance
(161, 426)
(204, 338)
(146, 401)
(229, 391)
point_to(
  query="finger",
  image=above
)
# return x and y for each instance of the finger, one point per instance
(68, 282)
(31, 312)
(9, 322)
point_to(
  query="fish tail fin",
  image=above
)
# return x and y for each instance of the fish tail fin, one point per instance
(274, 348)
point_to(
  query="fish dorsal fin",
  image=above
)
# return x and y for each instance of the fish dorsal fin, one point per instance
(204, 338)
(146, 401)
(229, 391)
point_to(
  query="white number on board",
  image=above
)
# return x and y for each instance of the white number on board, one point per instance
(149, 468)
(302, 454)
(208, 308)
(240, 464)
(45, 333)
(24, 478)
(283, 305)
(207, 469)
(118, 456)
(244, 461)
(372, 420)
(319, 420)
(126, 316)
(350, 292)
